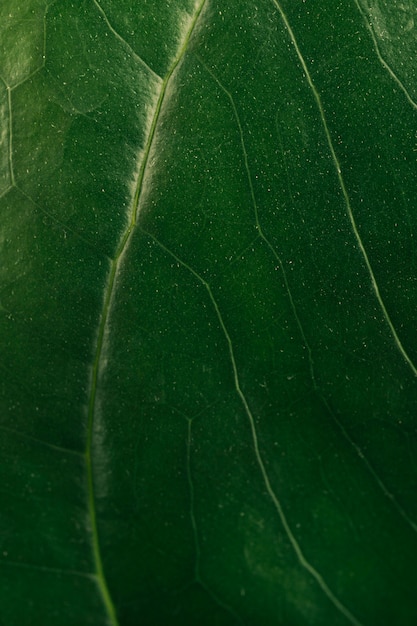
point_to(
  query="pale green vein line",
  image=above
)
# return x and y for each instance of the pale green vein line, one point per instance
(9, 89)
(342, 185)
(104, 318)
(161, 98)
(101, 580)
(28, 77)
(277, 504)
(6, 191)
(257, 221)
(370, 468)
(238, 255)
(344, 432)
(10, 167)
(381, 59)
(9, 105)
(122, 40)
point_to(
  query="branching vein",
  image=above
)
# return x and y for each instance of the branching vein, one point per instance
(381, 59)
(258, 223)
(9, 105)
(122, 40)
(259, 459)
(261, 234)
(104, 318)
(342, 185)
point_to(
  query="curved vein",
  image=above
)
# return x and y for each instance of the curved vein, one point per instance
(109, 292)
(122, 40)
(342, 185)
(262, 235)
(258, 223)
(10, 146)
(381, 59)
(259, 459)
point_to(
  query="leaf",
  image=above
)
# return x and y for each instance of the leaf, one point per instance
(208, 313)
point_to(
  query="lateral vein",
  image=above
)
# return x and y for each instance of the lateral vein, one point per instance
(122, 40)
(275, 500)
(276, 255)
(381, 59)
(342, 185)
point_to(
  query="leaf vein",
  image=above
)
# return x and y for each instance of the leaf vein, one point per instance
(259, 459)
(343, 188)
(381, 59)
(122, 40)
(109, 292)
(10, 143)
(262, 235)
(259, 226)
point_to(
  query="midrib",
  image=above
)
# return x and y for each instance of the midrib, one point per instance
(109, 292)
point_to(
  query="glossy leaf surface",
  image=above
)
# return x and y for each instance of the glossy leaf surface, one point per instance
(208, 312)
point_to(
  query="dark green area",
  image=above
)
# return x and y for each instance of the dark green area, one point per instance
(208, 389)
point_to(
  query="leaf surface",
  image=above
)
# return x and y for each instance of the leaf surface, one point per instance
(208, 313)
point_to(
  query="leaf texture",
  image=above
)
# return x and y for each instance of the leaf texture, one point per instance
(208, 313)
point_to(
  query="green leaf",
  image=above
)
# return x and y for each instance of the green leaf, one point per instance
(208, 313)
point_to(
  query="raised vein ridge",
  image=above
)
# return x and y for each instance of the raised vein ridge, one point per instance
(345, 194)
(272, 249)
(381, 58)
(109, 291)
(258, 454)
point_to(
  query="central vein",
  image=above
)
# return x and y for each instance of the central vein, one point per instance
(110, 289)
